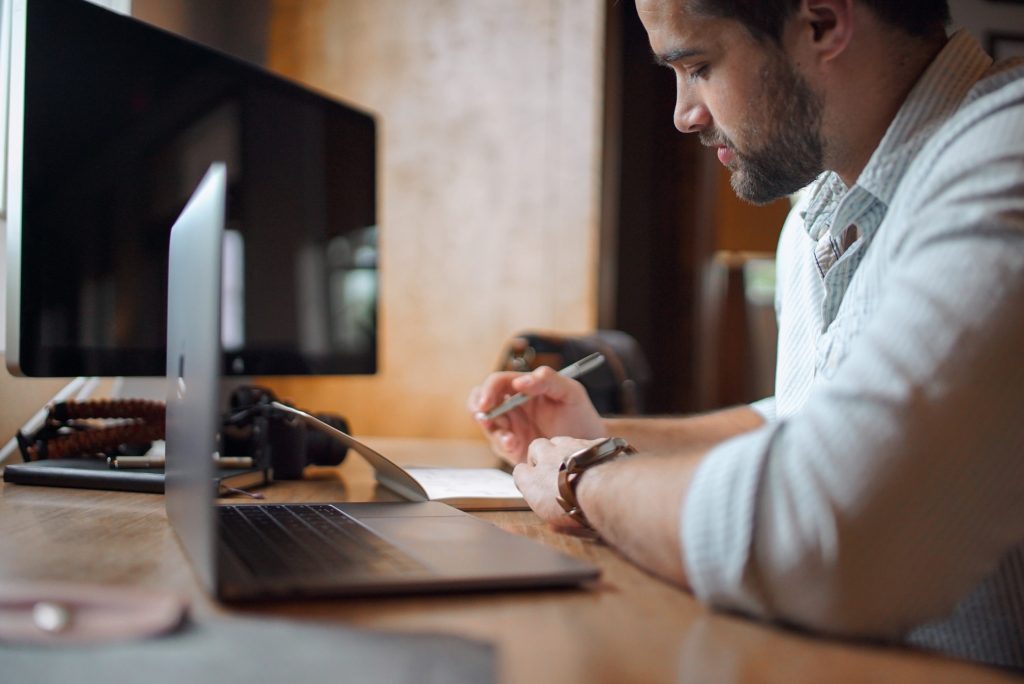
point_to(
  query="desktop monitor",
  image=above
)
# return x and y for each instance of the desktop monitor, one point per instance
(113, 122)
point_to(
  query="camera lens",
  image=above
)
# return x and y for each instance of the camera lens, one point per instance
(321, 448)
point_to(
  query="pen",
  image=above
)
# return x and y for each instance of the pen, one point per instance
(573, 370)
(234, 461)
(123, 462)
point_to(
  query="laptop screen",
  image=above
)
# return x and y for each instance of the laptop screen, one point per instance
(193, 369)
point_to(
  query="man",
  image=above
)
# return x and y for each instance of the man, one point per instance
(880, 493)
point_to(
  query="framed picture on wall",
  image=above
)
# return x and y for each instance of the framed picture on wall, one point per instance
(1002, 45)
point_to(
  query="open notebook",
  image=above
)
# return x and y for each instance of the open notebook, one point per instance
(471, 489)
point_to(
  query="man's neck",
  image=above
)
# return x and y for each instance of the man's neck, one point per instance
(866, 96)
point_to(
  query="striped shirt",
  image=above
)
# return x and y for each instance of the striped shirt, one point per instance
(884, 498)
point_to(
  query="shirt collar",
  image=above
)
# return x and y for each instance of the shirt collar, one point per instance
(937, 94)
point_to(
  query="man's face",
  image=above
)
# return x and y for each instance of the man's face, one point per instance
(742, 97)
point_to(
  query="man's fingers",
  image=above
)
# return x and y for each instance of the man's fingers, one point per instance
(493, 391)
(538, 488)
(519, 474)
(543, 380)
(537, 449)
(509, 443)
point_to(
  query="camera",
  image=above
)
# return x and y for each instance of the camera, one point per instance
(253, 427)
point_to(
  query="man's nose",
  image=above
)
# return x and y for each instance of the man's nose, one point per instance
(691, 117)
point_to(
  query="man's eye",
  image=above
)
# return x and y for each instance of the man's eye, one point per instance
(698, 72)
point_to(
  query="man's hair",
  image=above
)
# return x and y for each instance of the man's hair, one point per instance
(766, 18)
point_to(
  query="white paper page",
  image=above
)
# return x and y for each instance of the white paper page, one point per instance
(455, 483)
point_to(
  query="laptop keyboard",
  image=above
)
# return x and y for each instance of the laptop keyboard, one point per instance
(313, 540)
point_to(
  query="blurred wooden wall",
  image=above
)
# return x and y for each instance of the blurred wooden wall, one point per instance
(490, 119)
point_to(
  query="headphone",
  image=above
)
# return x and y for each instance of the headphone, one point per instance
(252, 427)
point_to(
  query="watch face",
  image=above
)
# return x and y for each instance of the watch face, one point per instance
(612, 446)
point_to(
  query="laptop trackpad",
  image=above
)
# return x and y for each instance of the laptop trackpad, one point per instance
(463, 545)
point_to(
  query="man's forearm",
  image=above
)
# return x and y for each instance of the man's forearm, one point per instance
(625, 496)
(698, 432)
(647, 494)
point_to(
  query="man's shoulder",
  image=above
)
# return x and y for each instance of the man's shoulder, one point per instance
(1003, 73)
(999, 94)
(972, 165)
(988, 126)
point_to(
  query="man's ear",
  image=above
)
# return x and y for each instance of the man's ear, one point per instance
(827, 26)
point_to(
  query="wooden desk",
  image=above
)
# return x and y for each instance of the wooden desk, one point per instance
(628, 627)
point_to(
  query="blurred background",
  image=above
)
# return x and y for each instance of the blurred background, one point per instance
(530, 178)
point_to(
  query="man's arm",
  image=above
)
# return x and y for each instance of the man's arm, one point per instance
(647, 494)
(692, 433)
(642, 494)
(897, 489)
(619, 499)
(560, 406)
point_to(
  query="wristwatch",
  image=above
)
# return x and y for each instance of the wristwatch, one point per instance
(572, 469)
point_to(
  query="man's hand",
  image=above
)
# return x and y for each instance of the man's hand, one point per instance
(558, 406)
(537, 478)
(634, 504)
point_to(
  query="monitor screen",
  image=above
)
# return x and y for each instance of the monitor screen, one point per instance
(113, 123)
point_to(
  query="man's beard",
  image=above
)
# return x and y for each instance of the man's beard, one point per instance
(790, 153)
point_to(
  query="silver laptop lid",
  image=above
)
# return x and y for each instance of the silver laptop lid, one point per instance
(193, 369)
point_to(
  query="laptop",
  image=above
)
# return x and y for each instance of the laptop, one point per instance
(255, 551)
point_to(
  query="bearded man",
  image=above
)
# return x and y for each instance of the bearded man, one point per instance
(880, 493)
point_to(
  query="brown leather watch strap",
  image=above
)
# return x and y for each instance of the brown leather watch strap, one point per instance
(572, 469)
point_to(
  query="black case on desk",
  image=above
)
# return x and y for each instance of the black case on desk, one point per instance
(88, 474)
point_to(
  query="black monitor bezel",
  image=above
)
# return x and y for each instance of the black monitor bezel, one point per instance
(28, 359)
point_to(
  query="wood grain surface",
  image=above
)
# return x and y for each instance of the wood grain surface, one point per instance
(626, 627)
